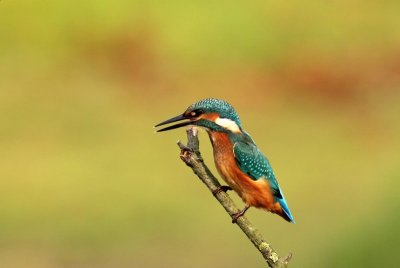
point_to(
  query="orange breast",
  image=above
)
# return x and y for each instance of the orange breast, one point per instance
(254, 193)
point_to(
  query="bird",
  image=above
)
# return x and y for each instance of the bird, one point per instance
(237, 158)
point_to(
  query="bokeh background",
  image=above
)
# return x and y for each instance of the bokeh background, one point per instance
(85, 181)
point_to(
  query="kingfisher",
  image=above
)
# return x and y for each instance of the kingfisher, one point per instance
(237, 158)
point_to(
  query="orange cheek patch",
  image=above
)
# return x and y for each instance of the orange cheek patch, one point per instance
(211, 117)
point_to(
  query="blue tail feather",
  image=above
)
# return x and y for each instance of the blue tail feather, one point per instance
(286, 209)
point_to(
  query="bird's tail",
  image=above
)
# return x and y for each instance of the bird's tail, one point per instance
(286, 211)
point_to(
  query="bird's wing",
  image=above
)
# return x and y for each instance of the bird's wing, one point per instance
(252, 162)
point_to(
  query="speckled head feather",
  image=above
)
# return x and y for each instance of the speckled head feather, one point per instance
(221, 107)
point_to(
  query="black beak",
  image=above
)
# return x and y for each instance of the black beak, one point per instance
(174, 119)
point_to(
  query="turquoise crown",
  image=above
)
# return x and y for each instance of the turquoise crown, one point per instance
(223, 108)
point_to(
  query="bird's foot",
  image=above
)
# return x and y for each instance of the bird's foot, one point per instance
(239, 214)
(223, 188)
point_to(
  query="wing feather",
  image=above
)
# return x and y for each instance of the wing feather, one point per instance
(252, 162)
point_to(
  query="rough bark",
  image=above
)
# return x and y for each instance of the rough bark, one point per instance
(190, 154)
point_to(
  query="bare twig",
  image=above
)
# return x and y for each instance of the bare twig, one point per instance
(190, 154)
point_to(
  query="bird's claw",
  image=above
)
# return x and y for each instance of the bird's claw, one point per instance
(223, 188)
(236, 216)
(239, 214)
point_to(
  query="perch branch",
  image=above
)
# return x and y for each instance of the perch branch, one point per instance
(190, 154)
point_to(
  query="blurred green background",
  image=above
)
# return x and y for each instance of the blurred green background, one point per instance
(85, 181)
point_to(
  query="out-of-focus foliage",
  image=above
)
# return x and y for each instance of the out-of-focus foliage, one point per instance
(85, 182)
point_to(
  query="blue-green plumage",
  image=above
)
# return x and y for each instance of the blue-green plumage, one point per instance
(252, 162)
(223, 108)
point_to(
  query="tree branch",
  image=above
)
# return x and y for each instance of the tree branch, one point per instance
(190, 154)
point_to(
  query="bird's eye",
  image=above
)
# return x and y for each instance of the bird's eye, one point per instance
(195, 113)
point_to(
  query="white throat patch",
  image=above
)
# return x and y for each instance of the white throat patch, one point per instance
(228, 124)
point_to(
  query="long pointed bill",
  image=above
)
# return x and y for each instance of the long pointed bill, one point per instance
(174, 119)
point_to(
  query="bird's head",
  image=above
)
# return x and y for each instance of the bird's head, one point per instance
(211, 114)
